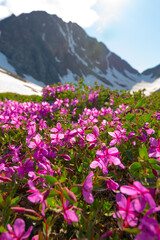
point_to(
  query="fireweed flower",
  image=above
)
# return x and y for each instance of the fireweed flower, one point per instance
(110, 155)
(57, 138)
(36, 143)
(148, 130)
(149, 226)
(17, 232)
(86, 188)
(37, 196)
(25, 167)
(98, 162)
(69, 214)
(154, 150)
(125, 210)
(112, 185)
(116, 137)
(93, 138)
(140, 194)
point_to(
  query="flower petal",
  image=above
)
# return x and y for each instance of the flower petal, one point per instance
(19, 227)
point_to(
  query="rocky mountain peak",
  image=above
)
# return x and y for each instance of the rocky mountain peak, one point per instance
(50, 50)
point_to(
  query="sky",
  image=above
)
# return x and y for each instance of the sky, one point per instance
(129, 28)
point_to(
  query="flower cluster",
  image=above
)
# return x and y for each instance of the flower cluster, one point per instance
(63, 161)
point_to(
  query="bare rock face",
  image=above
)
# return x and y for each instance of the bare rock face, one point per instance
(51, 51)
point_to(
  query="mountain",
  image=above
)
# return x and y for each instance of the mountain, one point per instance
(44, 49)
(10, 82)
(152, 74)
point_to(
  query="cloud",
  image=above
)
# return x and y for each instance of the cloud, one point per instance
(4, 11)
(110, 10)
(79, 11)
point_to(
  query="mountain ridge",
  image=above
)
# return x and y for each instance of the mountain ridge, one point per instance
(50, 50)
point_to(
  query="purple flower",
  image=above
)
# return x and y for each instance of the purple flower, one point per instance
(17, 232)
(112, 185)
(36, 143)
(92, 138)
(86, 188)
(149, 226)
(98, 162)
(69, 214)
(37, 196)
(154, 150)
(126, 210)
(110, 155)
(116, 137)
(140, 194)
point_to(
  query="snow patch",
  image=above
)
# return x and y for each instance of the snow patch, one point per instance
(62, 32)
(150, 87)
(57, 59)
(12, 84)
(69, 77)
(72, 44)
(97, 62)
(43, 36)
(5, 64)
(83, 49)
(91, 79)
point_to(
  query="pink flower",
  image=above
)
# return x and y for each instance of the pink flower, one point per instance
(36, 143)
(116, 137)
(98, 162)
(17, 232)
(112, 185)
(110, 155)
(57, 129)
(149, 226)
(37, 196)
(154, 150)
(126, 210)
(140, 194)
(92, 138)
(69, 214)
(86, 188)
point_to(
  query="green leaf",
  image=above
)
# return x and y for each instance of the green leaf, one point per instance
(80, 168)
(33, 217)
(135, 167)
(140, 103)
(2, 229)
(50, 179)
(49, 219)
(153, 161)
(143, 153)
(62, 179)
(131, 230)
(15, 200)
(129, 116)
(53, 193)
(52, 202)
(76, 190)
(147, 117)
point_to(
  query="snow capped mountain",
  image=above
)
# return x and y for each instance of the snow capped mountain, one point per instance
(45, 50)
